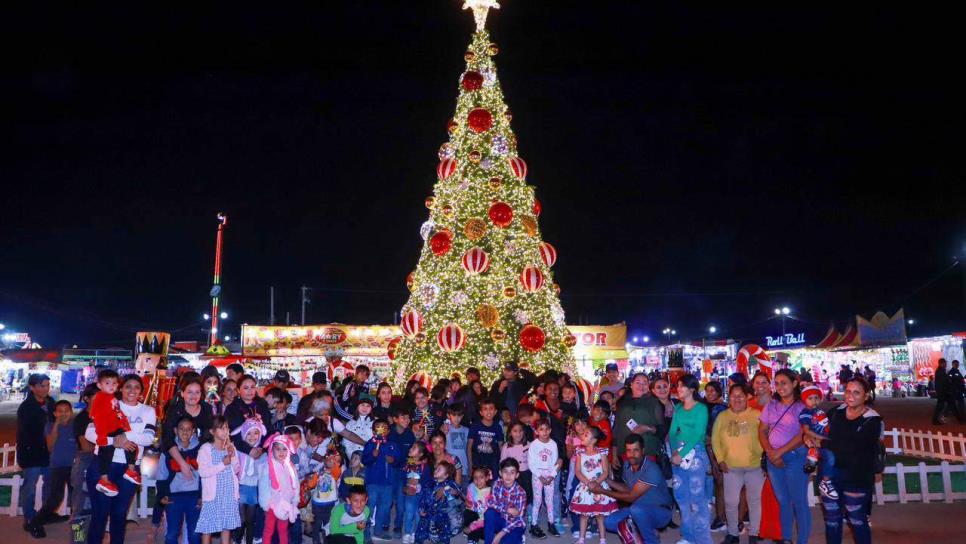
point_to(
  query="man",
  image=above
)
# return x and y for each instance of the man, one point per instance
(508, 391)
(610, 381)
(870, 377)
(806, 376)
(465, 397)
(348, 397)
(319, 383)
(33, 456)
(957, 387)
(644, 488)
(234, 371)
(944, 395)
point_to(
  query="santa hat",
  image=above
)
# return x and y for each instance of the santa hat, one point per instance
(811, 390)
(287, 463)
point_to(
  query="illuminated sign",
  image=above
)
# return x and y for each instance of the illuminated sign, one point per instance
(785, 340)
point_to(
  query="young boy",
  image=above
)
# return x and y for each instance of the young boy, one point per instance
(347, 524)
(525, 416)
(544, 462)
(184, 495)
(379, 456)
(404, 438)
(325, 495)
(456, 437)
(280, 416)
(503, 520)
(110, 421)
(63, 446)
(355, 475)
(483, 442)
(814, 422)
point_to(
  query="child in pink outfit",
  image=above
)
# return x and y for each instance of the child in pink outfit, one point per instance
(278, 489)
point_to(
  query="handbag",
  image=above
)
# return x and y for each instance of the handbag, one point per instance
(664, 462)
(764, 456)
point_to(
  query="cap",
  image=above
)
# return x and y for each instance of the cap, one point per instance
(366, 400)
(282, 376)
(319, 377)
(810, 390)
(37, 379)
(611, 366)
(512, 365)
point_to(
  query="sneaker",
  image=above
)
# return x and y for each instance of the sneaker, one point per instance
(257, 540)
(682, 541)
(106, 487)
(741, 527)
(827, 490)
(718, 525)
(552, 530)
(559, 526)
(575, 534)
(536, 532)
(37, 531)
(381, 536)
(132, 476)
(408, 539)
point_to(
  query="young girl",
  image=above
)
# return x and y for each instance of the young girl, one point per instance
(440, 507)
(517, 447)
(218, 467)
(419, 476)
(252, 431)
(477, 501)
(361, 425)
(574, 446)
(592, 467)
(278, 489)
(355, 475)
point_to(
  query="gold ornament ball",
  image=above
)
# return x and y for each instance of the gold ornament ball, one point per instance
(510, 292)
(447, 210)
(497, 335)
(556, 289)
(496, 183)
(492, 49)
(529, 225)
(570, 340)
(469, 56)
(475, 229)
(475, 156)
(488, 315)
(508, 115)
(430, 202)
(410, 280)
(420, 337)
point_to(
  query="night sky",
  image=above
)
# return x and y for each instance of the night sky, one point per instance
(696, 165)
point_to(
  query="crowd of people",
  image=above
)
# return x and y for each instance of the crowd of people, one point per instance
(525, 455)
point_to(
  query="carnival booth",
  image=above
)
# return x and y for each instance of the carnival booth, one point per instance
(925, 354)
(17, 365)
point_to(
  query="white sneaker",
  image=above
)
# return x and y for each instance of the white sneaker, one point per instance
(575, 534)
(409, 539)
(682, 541)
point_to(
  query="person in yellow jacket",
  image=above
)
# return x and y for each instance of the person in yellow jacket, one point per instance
(734, 439)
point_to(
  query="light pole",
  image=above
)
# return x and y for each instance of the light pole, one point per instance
(783, 312)
(668, 333)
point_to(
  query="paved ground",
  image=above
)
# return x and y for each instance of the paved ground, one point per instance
(891, 524)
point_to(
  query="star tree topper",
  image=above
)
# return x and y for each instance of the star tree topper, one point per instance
(480, 9)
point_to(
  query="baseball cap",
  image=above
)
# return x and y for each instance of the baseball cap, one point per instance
(512, 365)
(611, 366)
(37, 379)
(282, 376)
(319, 377)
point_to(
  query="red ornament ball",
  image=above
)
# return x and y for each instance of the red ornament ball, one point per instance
(440, 243)
(532, 338)
(411, 323)
(392, 347)
(451, 125)
(537, 207)
(531, 279)
(548, 253)
(476, 261)
(446, 168)
(451, 337)
(479, 120)
(501, 214)
(472, 81)
(519, 167)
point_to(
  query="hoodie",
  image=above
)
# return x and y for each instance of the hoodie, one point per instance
(170, 471)
(378, 470)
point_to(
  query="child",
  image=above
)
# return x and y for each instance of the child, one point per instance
(517, 447)
(506, 418)
(525, 416)
(477, 501)
(600, 418)
(109, 422)
(440, 507)
(278, 489)
(456, 436)
(592, 466)
(438, 455)
(611, 400)
(252, 432)
(181, 501)
(355, 476)
(544, 462)
(63, 447)
(361, 425)
(325, 494)
(347, 523)
(217, 466)
(379, 455)
(574, 445)
(419, 476)
(404, 438)
(814, 422)
(503, 518)
(483, 442)
(280, 416)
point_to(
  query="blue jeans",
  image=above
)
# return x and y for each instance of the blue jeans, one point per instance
(493, 523)
(104, 507)
(399, 498)
(410, 510)
(380, 496)
(688, 488)
(853, 503)
(648, 518)
(183, 508)
(790, 484)
(28, 493)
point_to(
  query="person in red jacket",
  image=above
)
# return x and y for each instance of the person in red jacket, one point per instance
(109, 422)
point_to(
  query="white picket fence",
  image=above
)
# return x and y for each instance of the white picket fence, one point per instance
(926, 444)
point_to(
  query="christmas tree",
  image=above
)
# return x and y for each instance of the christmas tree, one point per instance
(482, 294)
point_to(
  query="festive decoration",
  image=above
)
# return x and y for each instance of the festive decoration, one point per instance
(479, 120)
(446, 151)
(492, 50)
(451, 337)
(519, 167)
(420, 337)
(446, 168)
(451, 126)
(498, 335)
(410, 279)
(472, 81)
(521, 317)
(570, 341)
(491, 361)
(475, 261)
(475, 229)
(531, 279)
(529, 225)
(423, 379)
(441, 242)
(447, 210)
(537, 208)
(469, 56)
(460, 298)
(411, 323)
(548, 253)
(509, 292)
(392, 347)
(501, 214)
(496, 183)
(487, 315)
(430, 202)
(556, 289)
(753, 353)
(429, 293)
(426, 229)
(532, 338)
(475, 157)
(499, 145)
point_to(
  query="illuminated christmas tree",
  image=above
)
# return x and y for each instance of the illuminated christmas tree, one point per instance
(482, 294)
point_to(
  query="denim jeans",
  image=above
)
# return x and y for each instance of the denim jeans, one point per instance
(380, 497)
(493, 523)
(790, 484)
(183, 508)
(28, 493)
(648, 518)
(53, 494)
(852, 502)
(688, 488)
(399, 498)
(104, 507)
(78, 473)
(410, 513)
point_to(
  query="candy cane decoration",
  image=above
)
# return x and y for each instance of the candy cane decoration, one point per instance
(753, 351)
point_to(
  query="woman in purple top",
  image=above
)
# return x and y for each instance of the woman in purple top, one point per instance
(781, 438)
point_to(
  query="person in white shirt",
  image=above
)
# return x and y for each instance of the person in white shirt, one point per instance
(544, 461)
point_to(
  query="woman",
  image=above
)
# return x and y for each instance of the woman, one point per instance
(247, 405)
(438, 442)
(211, 390)
(661, 390)
(382, 407)
(228, 393)
(734, 439)
(780, 436)
(854, 433)
(191, 407)
(646, 412)
(714, 399)
(143, 428)
(690, 459)
(761, 386)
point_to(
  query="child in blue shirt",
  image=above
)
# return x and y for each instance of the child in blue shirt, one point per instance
(814, 422)
(380, 456)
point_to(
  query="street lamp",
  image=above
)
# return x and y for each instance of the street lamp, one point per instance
(227, 338)
(783, 312)
(712, 329)
(223, 315)
(910, 322)
(206, 317)
(2, 326)
(646, 339)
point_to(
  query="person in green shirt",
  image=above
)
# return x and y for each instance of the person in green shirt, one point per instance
(690, 460)
(638, 412)
(355, 516)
